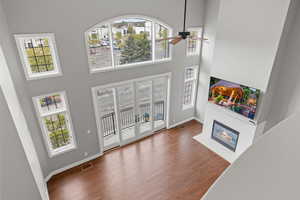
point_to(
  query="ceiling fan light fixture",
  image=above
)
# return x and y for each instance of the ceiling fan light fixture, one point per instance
(184, 34)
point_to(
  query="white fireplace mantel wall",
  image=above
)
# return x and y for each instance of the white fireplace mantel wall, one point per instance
(246, 128)
(248, 34)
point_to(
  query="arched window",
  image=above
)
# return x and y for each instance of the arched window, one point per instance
(127, 41)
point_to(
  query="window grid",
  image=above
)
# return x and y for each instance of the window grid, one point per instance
(39, 61)
(114, 28)
(57, 129)
(194, 42)
(38, 55)
(55, 122)
(189, 88)
(188, 93)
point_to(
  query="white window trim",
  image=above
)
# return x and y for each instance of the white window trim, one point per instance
(197, 53)
(24, 59)
(195, 82)
(66, 110)
(126, 66)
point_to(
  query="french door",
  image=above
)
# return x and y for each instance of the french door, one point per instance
(130, 110)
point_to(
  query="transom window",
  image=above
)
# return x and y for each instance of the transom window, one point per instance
(189, 87)
(127, 41)
(55, 121)
(194, 42)
(38, 55)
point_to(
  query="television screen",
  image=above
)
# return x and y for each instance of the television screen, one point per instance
(233, 96)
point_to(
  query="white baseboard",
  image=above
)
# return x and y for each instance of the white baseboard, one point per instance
(198, 120)
(184, 121)
(57, 171)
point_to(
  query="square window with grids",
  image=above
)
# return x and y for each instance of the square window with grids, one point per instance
(194, 42)
(55, 122)
(38, 55)
(189, 88)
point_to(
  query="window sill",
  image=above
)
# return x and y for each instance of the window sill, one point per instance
(62, 150)
(187, 107)
(128, 66)
(43, 75)
(193, 55)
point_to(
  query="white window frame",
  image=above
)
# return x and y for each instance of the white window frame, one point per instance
(198, 48)
(66, 111)
(194, 80)
(24, 59)
(116, 84)
(125, 66)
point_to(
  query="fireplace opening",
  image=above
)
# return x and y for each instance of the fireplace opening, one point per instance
(225, 135)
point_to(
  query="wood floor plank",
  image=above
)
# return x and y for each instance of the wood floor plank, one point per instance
(166, 166)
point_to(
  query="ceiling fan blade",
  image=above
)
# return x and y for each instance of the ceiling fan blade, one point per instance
(167, 38)
(197, 38)
(176, 40)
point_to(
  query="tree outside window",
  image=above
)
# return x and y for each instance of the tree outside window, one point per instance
(134, 40)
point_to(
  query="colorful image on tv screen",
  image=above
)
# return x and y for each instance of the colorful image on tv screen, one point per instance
(233, 96)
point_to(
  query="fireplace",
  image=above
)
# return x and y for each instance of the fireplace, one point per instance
(225, 135)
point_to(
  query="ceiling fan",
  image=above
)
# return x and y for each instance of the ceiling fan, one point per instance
(184, 34)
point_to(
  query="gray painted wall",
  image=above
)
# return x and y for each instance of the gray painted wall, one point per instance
(267, 170)
(210, 31)
(7, 65)
(16, 179)
(285, 99)
(282, 50)
(9, 51)
(69, 20)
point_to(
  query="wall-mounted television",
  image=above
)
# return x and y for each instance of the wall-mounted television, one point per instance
(236, 97)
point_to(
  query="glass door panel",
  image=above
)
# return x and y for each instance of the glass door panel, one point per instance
(129, 111)
(126, 110)
(159, 102)
(107, 116)
(144, 106)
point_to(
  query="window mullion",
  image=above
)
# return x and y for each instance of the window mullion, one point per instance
(53, 112)
(53, 130)
(153, 40)
(111, 45)
(35, 57)
(61, 126)
(44, 55)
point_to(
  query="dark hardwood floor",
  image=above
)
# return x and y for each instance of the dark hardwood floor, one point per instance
(169, 165)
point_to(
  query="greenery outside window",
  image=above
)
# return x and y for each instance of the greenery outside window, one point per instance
(38, 55)
(55, 122)
(127, 41)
